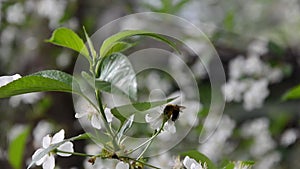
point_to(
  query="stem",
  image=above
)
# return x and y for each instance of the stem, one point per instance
(150, 140)
(145, 149)
(146, 164)
(75, 153)
(114, 142)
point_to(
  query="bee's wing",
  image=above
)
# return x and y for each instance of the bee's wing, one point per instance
(181, 108)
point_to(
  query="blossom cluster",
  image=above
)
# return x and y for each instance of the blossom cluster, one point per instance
(249, 77)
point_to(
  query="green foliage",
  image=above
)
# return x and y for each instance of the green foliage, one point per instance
(168, 6)
(88, 78)
(126, 126)
(229, 21)
(110, 42)
(122, 112)
(293, 93)
(48, 80)
(119, 46)
(117, 76)
(199, 157)
(108, 87)
(17, 148)
(275, 49)
(91, 48)
(230, 165)
(67, 38)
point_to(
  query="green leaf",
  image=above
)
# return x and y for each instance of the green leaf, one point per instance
(126, 126)
(123, 112)
(293, 93)
(117, 76)
(199, 157)
(48, 80)
(109, 88)
(88, 78)
(80, 137)
(91, 48)
(229, 21)
(275, 49)
(17, 148)
(230, 165)
(55, 146)
(118, 47)
(67, 38)
(110, 41)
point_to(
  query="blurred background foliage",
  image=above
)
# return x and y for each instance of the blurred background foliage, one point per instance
(268, 134)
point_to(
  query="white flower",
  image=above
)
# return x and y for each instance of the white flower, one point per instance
(28, 98)
(274, 75)
(48, 161)
(154, 81)
(258, 47)
(254, 127)
(199, 69)
(4, 80)
(190, 113)
(15, 14)
(217, 142)
(263, 142)
(41, 129)
(190, 163)
(15, 131)
(156, 118)
(122, 165)
(268, 161)
(254, 66)
(233, 90)
(236, 67)
(289, 137)
(132, 22)
(14, 101)
(198, 46)
(255, 96)
(177, 164)
(51, 9)
(84, 108)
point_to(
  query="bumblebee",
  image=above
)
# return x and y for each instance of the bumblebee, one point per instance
(172, 111)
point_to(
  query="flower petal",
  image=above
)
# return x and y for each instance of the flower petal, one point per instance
(153, 116)
(96, 121)
(156, 124)
(4, 80)
(122, 165)
(108, 114)
(148, 118)
(36, 153)
(79, 115)
(155, 119)
(193, 166)
(187, 162)
(58, 137)
(190, 163)
(49, 162)
(68, 147)
(46, 141)
(170, 126)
